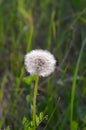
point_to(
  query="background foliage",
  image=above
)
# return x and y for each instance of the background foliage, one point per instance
(60, 27)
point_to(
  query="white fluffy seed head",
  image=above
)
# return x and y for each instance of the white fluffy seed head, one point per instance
(40, 62)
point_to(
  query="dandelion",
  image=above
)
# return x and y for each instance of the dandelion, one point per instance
(40, 62)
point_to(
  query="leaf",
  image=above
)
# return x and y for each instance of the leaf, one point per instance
(37, 120)
(74, 125)
(85, 118)
(29, 80)
(28, 98)
(26, 123)
(41, 116)
(24, 120)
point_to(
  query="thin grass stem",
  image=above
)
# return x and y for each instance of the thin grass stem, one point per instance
(74, 83)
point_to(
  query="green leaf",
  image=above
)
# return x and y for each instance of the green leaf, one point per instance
(85, 118)
(37, 120)
(29, 80)
(74, 125)
(31, 123)
(28, 98)
(41, 116)
(26, 123)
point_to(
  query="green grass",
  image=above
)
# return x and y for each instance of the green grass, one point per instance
(74, 84)
(60, 27)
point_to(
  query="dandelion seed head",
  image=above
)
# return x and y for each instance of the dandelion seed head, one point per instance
(40, 62)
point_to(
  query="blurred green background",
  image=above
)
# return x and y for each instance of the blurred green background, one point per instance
(60, 27)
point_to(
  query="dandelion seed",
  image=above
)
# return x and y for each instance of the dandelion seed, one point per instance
(40, 62)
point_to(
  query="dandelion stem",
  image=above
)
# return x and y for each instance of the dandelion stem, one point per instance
(34, 101)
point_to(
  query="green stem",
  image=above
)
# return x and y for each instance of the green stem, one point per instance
(34, 101)
(74, 83)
